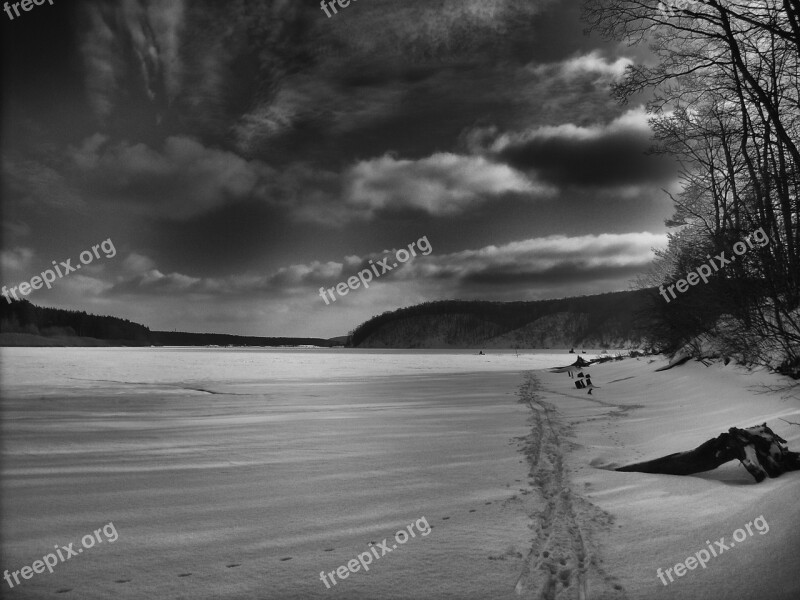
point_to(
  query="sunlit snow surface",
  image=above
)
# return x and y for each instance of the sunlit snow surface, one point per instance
(234, 473)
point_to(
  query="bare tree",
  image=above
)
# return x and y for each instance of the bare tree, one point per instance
(725, 88)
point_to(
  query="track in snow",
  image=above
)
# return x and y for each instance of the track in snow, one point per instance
(563, 562)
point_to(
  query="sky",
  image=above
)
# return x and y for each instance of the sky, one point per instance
(238, 156)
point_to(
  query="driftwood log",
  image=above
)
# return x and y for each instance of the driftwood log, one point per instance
(762, 452)
(576, 366)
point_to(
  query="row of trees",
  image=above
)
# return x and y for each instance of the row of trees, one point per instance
(24, 317)
(725, 89)
(466, 319)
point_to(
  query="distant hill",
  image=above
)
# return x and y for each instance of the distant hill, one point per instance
(614, 320)
(25, 324)
(180, 338)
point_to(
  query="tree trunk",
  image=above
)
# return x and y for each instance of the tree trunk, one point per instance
(762, 452)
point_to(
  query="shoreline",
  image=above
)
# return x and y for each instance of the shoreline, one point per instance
(656, 521)
(30, 340)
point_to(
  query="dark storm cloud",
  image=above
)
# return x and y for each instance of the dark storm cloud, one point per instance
(242, 154)
(251, 71)
(180, 180)
(310, 96)
(189, 65)
(611, 155)
(553, 259)
(131, 55)
(140, 276)
(565, 272)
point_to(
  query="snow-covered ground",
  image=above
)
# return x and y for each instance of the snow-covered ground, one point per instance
(234, 473)
(658, 521)
(243, 474)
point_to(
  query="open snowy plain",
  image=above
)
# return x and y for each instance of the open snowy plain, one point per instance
(231, 473)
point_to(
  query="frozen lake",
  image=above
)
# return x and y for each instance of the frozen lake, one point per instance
(234, 473)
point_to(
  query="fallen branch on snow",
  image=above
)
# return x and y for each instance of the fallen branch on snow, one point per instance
(762, 452)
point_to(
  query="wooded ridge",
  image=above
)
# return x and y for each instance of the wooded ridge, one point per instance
(613, 320)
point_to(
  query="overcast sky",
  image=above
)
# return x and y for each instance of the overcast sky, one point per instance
(242, 154)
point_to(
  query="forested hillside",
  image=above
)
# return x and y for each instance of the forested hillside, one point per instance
(26, 318)
(612, 320)
(35, 325)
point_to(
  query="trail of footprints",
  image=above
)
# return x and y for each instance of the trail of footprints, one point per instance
(562, 563)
